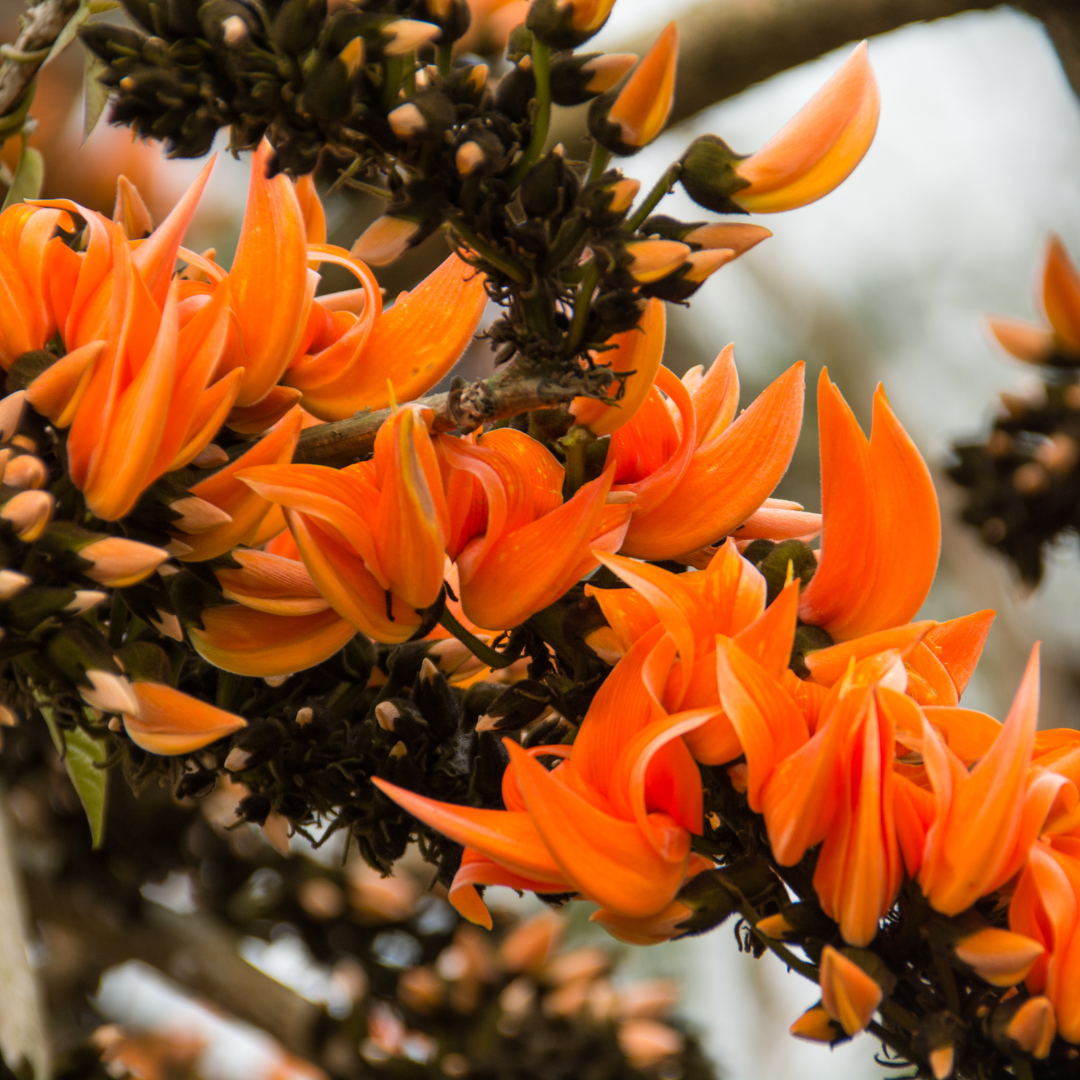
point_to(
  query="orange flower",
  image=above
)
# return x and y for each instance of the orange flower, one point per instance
(881, 524)
(372, 529)
(348, 361)
(1046, 907)
(517, 545)
(838, 788)
(848, 994)
(698, 478)
(1060, 298)
(612, 821)
(819, 148)
(718, 611)
(26, 319)
(638, 351)
(643, 105)
(986, 821)
(171, 722)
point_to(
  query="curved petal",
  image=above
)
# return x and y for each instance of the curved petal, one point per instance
(716, 397)
(958, 644)
(828, 665)
(477, 869)
(171, 722)
(1061, 294)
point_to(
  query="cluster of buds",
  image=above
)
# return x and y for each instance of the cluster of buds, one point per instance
(1023, 481)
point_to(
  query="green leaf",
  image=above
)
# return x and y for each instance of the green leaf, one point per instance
(28, 179)
(71, 27)
(95, 93)
(83, 758)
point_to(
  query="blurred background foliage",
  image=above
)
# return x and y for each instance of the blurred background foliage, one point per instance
(888, 279)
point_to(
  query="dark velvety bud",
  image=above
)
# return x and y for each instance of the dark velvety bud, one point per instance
(516, 706)
(77, 649)
(807, 639)
(428, 115)
(668, 228)
(254, 808)
(27, 368)
(145, 662)
(142, 12)
(542, 188)
(436, 701)
(577, 79)
(774, 565)
(111, 42)
(480, 151)
(477, 702)
(227, 23)
(453, 17)
(566, 24)
(708, 174)
(609, 198)
(183, 17)
(33, 606)
(195, 785)
(297, 24)
(516, 90)
(615, 312)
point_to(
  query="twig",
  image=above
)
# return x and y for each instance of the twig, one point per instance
(41, 27)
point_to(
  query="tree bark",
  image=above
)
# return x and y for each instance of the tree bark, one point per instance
(41, 26)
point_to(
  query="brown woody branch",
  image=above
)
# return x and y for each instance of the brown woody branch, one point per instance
(41, 26)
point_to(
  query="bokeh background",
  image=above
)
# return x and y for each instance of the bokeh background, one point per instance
(887, 279)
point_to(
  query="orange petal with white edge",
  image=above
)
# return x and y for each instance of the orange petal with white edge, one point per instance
(727, 479)
(171, 722)
(829, 665)
(248, 642)
(1027, 341)
(820, 147)
(610, 861)
(57, 392)
(848, 994)
(229, 493)
(639, 351)
(269, 284)
(506, 837)
(844, 574)
(958, 644)
(413, 345)
(344, 579)
(1061, 294)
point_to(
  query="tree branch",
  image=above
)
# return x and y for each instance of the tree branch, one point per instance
(506, 394)
(41, 26)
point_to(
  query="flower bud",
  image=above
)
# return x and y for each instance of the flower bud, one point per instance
(12, 583)
(29, 512)
(528, 946)
(646, 1043)
(407, 35)
(209, 457)
(687, 279)
(110, 693)
(84, 600)
(168, 721)
(609, 198)
(1033, 1027)
(937, 1041)
(1026, 341)
(651, 260)
(234, 32)
(1001, 957)
(640, 111)
(566, 24)
(11, 410)
(453, 17)
(411, 217)
(130, 211)
(816, 1025)
(577, 79)
(118, 562)
(428, 115)
(709, 174)
(26, 471)
(196, 515)
(848, 994)
(734, 236)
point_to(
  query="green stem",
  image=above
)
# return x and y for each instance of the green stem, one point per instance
(481, 651)
(598, 162)
(574, 443)
(541, 58)
(898, 1015)
(444, 58)
(890, 1040)
(395, 70)
(659, 190)
(508, 265)
(581, 307)
(948, 982)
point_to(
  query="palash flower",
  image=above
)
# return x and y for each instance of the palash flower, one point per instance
(517, 545)
(26, 318)
(819, 148)
(695, 471)
(1060, 301)
(986, 821)
(1046, 907)
(838, 788)
(373, 535)
(642, 107)
(715, 611)
(881, 531)
(172, 722)
(612, 821)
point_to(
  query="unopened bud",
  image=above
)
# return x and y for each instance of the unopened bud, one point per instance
(1001, 957)
(168, 624)
(1059, 454)
(816, 1025)
(1031, 478)
(234, 32)
(110, 693)
(353, 55)
(623, 194)
(1033, 1027)
(12, 583)
(237, 760)
(577, 79)
(26, 471)
(385, 239)
(274, 681)
(8, 716)
(85, 600)
(408, 35)
(775, 927)
(469, 158)
(29, 512)
(130, 211)
(421, 989)
(304, 716)
(708, 174)
(118, 562)
(399, 750)
(651, 260)
(386, 715)
(646, 1043)
(850, 996)
(528, 946)
(407, 121)
(734, 236)
(565, 24)
(197, 515)
(942, 1059)
(702, 264)
(11, 410)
